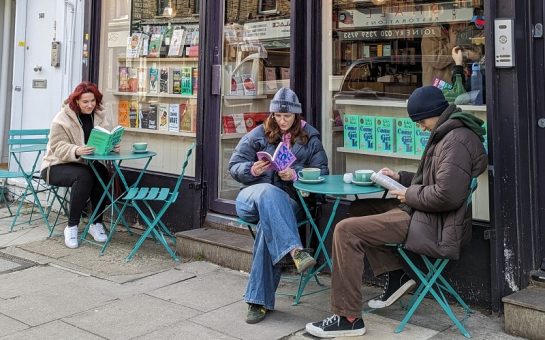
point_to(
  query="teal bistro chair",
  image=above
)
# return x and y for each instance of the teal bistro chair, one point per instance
(141, 197)
(315, 203)
(29, 144)
(434, 283)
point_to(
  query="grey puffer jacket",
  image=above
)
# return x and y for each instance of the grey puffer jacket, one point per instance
(310, 155)
(441, 219)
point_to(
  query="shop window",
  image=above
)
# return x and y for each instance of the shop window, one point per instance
(267, 6)
(377, 53)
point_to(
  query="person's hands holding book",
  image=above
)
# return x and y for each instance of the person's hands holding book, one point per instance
(259, 167)
(84, 150)
(390, 173)
(288, 174)
(117, 148)
(399, 194)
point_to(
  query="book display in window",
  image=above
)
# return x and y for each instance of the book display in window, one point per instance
(174, 118)
(123, 113)
(165, 83)
(186, 81)
(163, 111)
(153, 80)
(133, 113)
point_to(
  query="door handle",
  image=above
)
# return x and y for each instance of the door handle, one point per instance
(541, 122)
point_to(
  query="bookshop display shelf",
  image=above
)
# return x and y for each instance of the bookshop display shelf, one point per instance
(377, 154)
(158, 95)
(162, 132)
(233, 135)
(165, 59)
(398, 103)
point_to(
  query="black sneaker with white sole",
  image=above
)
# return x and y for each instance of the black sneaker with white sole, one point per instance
(398, 283)
(336, 326)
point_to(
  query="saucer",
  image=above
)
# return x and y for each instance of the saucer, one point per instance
(140, 151)
(317, 180)
(363, 183)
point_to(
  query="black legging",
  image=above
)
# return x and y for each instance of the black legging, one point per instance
(84, 185)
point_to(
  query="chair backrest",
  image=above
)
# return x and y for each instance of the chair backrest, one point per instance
(184, 166)
(472, 188)
(28, 137)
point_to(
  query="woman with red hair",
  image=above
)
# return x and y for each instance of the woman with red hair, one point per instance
(62, 164)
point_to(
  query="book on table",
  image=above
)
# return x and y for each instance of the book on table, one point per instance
(103, 140)
(281, 159)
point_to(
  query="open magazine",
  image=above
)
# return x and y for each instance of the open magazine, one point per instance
(281, 159)
(103, 140)
(386, 182)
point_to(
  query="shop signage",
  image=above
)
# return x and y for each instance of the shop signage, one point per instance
(404, 15)
(273, 29)
(401, 33)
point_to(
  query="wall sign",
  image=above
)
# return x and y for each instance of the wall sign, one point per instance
(273, 29)
(400, 33)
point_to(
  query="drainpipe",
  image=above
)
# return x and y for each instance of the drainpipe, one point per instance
(4, 86)
(69, 32)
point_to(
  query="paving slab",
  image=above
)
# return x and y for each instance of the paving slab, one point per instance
(9, 325)
(480, 327)
(53, 331)
(131, 317)
(46, 305)
(186, 330)
(32, 280)
(22, 236)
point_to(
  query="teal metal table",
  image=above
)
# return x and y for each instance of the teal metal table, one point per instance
(116, 159)
(333, 185)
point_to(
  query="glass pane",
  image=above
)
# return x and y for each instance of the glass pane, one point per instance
(148, 74)
(376, 53)
(256, 63)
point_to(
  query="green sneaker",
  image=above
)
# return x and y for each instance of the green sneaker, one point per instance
(303, 260)
(256, 313)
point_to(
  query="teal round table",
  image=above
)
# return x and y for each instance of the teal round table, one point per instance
(333, 185)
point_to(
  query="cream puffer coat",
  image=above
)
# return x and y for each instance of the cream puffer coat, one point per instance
(66, 135)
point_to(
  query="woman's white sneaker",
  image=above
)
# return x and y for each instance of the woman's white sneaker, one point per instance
(97, 231)
(71, 236)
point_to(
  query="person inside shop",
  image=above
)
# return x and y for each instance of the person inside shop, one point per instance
(431, 206)
(63, 165)
(459, 55)
(437, 57)
(269, 198)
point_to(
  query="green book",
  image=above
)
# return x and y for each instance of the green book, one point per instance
(187, 81)
(103, 140)
(405, 136)
(351, 132)
(385, 134)
(367, 133)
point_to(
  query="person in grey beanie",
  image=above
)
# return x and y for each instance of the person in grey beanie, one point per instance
(269, 199)
(432, 207)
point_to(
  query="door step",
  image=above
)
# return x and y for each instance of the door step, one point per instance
(524, 313)
(223, 247)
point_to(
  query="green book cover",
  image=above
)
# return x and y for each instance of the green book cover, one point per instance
(366, 129)
(187, 81)
(405, 136)
(385, 132)
(351, 133)
(420, 139)
(103, 140)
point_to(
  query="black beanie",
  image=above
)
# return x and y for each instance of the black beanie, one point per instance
(426, 102)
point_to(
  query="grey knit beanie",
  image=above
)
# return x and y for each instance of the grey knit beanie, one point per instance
(285, 101)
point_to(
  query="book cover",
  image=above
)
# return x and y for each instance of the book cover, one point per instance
(152, 117)
(405, 136)
(123, 79)
(134, 45)
(155, 43)
(420, 139)
(195, 79)
(145, 44)
(177, 42)
(133, 114)
(186, 81)
(123, 113)
(142, 79)
(386, 182)
(366, 129)
(185, 117)
(163, 110)
(143, 117)
(351, 132)
(285, 73)
(234, 123)
(174, 118)
(103, 140)
(153, 80)
(384, 134)
(176, 75)
(133, 79)
(254, 119)
(281, 159)
(271, 85)
(249, 85)
(165, 86)
(236, 86)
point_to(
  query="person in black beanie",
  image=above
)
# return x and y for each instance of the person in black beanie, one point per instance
(432, 207)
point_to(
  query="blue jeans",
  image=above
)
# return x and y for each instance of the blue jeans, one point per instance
(276, 235)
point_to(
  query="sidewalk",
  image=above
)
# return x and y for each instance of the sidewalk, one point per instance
(48, 291)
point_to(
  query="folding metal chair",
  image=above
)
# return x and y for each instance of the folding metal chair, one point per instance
(298, 294)
(154, 226)
(29, 143)
(434, 283)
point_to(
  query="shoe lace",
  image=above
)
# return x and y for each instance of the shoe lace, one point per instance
(331, 320)
(386, 284)
(99, 228)
(73, 232)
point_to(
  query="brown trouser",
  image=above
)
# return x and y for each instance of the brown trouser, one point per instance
(377, 223)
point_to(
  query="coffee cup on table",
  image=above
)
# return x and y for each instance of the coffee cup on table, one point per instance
(309, 173)
(363, 175)
(140, 146)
